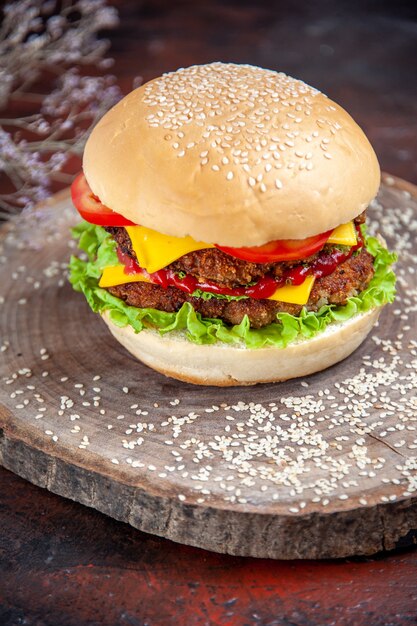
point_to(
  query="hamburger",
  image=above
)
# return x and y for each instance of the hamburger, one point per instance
(224, 226)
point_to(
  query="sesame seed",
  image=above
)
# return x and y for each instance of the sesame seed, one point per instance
(218, 93)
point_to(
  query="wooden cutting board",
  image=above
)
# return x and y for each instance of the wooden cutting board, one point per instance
(324, 466)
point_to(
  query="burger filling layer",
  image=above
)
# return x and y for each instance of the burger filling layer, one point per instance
(221, 286)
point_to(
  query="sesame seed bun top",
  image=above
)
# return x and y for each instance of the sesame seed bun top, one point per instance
(231, 154)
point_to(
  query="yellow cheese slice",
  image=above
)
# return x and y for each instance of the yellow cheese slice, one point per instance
(155, 251)
(115, 275)
(294, 294)
(344, 235)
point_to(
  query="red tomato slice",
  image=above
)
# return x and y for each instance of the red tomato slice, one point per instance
(280, 250)
(91, 209)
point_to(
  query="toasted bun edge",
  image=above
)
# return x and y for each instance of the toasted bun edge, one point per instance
(224, 365)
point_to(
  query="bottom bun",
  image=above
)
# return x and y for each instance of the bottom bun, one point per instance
(224, 365)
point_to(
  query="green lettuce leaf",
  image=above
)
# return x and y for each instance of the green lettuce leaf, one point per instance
(206, 295)
(100, 251)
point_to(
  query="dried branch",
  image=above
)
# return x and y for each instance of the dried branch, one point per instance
(49, 41)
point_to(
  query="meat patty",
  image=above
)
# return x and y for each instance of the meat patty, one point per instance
(208, 264)
(349, 278)
(214, 265)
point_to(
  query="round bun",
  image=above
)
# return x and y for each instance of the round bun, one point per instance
(224, 365)
(231, 154)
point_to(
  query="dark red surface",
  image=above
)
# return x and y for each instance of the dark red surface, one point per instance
(63, 564)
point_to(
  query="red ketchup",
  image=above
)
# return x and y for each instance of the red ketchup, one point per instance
(131, 266)
(324, 265)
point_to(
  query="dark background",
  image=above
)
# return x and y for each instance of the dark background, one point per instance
(62, 564)
(363, 54)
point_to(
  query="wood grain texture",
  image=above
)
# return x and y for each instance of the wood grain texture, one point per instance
(311, 468)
